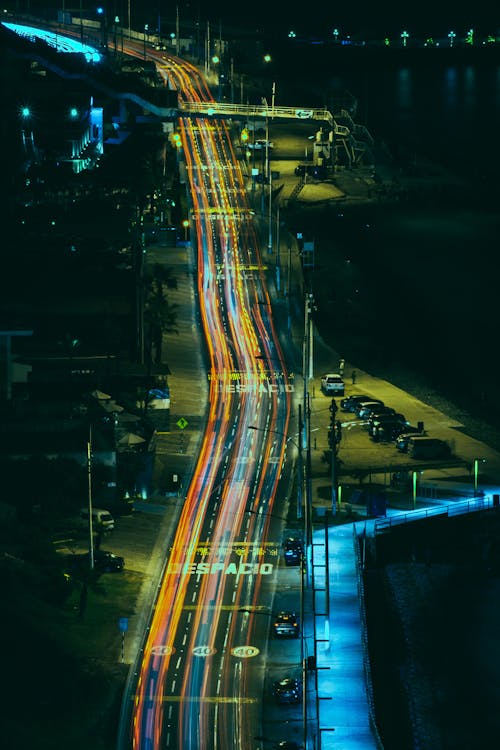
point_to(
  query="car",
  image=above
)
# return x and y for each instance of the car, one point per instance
(404, 437)
(374, 424)
(108, 562)
(101, 519)
(368, 411)
(294, 550)
(332, 384)
(349, 402)
(388, 431)
(287, 690)
(360, 405)
(260, 144)
(286, 625)
(287, 745)
(104, 562)
(300, 170)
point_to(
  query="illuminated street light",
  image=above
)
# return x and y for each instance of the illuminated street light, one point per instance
(469, 39)
(267, 58)
(477, 461)
(292, 34)
(404, 37)
(336, 34)
(73, 113)
(185, 224)
(146, 29)
(451, 37)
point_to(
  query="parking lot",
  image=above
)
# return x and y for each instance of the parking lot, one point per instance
(362, 461)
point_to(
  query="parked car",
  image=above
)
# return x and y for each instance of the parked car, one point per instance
(390, 431)
(286, 625)
(403, 439)
(288, 690)
(332, 384)
(300, 170)
(108, 562)
(374, 424)
(104, 562)
(294, 551)
(371, 402)
(374, 410)
(260, 144)
(349, 402)
(102, 519)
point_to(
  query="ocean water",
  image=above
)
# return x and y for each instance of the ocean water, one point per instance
(415, 283)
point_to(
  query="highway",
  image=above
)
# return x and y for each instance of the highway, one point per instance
(200, 683)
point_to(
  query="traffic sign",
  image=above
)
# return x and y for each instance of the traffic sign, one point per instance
(182, 423)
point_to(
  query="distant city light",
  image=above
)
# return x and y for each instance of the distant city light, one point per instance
(25, 112)
(267, 58)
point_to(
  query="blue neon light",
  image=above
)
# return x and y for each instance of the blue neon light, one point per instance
(60, 43)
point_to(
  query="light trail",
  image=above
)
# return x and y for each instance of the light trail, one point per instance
(200, 680)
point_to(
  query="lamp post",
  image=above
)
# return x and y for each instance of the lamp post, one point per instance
(404, 37)
(146, 28)
(116, 22)
(451, 37)
(477, 461)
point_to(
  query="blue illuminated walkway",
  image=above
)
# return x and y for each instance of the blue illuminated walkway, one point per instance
(343, 707)
(341, 717)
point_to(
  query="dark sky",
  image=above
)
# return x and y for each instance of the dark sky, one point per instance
(425, 17)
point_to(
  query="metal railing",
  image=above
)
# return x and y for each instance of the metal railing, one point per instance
(461, 507)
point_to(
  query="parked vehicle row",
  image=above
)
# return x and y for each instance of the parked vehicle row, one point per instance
(384, 424)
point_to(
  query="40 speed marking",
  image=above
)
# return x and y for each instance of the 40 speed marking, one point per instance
(204, 651)
(162, 650)
(245, 652)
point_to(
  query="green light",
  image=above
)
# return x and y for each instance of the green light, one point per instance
(25, 112)
(267, 58)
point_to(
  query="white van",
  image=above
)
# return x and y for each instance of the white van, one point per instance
(101, 519)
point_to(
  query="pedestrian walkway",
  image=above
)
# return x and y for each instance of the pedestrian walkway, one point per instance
(343, 705)
(176, 448)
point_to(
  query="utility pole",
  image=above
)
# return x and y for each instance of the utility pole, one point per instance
(89, 488)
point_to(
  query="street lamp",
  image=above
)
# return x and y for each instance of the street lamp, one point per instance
(404, 37)
(451, 37)
(146, 28)
(185, 224)
(477, 461)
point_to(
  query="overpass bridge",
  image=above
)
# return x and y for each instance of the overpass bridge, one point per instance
(249, 111)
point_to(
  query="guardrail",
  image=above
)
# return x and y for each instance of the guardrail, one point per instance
(461, 507)
(364, 641)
